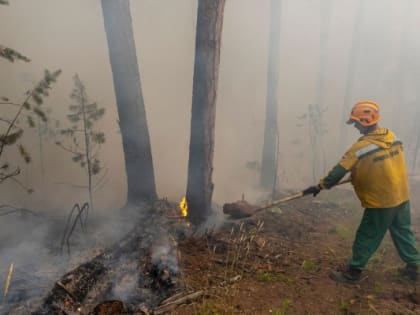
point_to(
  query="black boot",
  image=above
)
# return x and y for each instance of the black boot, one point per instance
(409, 272)
(350, 276)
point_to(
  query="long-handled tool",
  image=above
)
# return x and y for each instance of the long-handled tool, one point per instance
(242, 209)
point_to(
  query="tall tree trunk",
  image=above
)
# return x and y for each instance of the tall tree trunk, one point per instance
(206, 72)
(268, 174)
(130, 103)
(416, 146)
(351, 70)
(404, 67)
(325, 19)
(318, 150)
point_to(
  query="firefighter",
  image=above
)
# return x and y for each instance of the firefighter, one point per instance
(379, 177)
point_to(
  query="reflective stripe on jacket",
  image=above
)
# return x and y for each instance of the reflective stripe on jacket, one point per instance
(377, 165)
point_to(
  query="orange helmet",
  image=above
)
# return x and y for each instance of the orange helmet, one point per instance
(365, 112)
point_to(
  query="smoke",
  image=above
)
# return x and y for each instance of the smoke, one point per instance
(32, 244)
(164, 255)
(386, 69)
(126, 284)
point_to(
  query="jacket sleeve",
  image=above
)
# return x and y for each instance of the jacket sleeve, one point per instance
(333, 177)
(346, 163)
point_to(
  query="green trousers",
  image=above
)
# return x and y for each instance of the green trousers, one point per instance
(372, 229)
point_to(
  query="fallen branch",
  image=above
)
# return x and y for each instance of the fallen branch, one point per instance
(69, 228)
(162, 309)
(8, 280)
(371, 307)
(14, 209)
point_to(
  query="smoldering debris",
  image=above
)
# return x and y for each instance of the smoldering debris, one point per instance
(140, 271)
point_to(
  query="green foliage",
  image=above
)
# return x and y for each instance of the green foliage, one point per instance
(11, 138)
(343, 232)
(273, 277)
(208, 309)
(378, 287)
(309, 266)
(13, 128)
(12, 55)
(24, 153)
(83, 141)
(285, 305)
(96, 168)
(83, 137)
(343, 306)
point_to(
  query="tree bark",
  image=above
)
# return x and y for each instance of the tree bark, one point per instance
(351, 71)
(268, 176)
(319, 163)
(130, 103)
(206, 72)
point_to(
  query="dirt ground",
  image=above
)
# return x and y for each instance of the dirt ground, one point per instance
(278, 262)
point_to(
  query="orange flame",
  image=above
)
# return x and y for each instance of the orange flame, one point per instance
(184, 207)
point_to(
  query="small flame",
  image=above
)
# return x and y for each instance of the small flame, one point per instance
(184, 207)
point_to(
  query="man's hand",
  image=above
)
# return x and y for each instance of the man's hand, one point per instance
(314, 190)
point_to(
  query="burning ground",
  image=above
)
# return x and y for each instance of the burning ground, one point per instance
(276, 262)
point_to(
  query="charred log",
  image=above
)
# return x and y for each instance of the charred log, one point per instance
(239, 209)
(141, 270)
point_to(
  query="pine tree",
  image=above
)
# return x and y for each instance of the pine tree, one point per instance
(206, 74)
(85, 140)
(9, 53)
(12, 128)
(130, 103)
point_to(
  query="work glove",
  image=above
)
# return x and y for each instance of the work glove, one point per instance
(314, 190)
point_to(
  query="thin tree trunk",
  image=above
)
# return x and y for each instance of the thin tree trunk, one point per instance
(130, 103)
(417, 145)
(351, 70)
(206, 72)
(404, 68)
(41, 124)
(268, 164)
(87, 143)
(325, 16)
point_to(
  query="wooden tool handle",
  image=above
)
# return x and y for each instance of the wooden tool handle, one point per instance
(295, 196)
(275, 203)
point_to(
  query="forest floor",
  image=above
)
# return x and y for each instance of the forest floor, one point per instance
(278, 262)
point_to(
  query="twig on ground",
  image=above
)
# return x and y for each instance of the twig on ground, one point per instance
(162, 309)
(8, 280)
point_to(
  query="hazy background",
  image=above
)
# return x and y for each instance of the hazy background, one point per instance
(70, 35)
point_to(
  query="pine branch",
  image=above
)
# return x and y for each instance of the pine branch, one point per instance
(66, 148)
(20, 184)
(71, 184)
(6, 121)
(13, 122)
(39, 89)
(101, 181)
(4, 2)
(11, 54)
(9, 103)
(4, 176)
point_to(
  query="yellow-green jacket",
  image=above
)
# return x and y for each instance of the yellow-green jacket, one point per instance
(378, 172)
